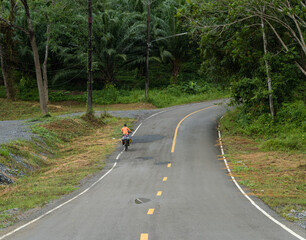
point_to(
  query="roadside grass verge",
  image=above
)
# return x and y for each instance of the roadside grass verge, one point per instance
(273, 172)
(63, 153)
(63, 102)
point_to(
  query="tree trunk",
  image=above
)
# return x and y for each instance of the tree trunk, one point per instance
(45, 75)
(7, 55)
(265, 45)
(175, 69)
(148, 50)
(109, 75)
(89, 84)
(40, 84)
(4, 74)
(8, 96)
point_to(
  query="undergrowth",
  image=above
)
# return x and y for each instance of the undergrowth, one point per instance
(62, 102)
(187, 92)
(285, 133)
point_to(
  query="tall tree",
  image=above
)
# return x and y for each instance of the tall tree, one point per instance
(112, 42)
(39, 78)
(267, 64)
(7, 54)
(148, 48)
(233, 19)
(90, 80)
(171, 40)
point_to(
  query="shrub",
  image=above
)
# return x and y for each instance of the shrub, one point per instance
(190, 87)
(60, 95)
(106, 96)
(29, 94)
(2, 92)
(252, 93)
(292, 112)
(285, 133)
(174, 90)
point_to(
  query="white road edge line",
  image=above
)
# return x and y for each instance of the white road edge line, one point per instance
(252, 202)
(136, 129)
(80, 194)
(59, 206)
(157, 113)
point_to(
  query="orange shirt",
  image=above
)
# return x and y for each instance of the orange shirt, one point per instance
(125, 130)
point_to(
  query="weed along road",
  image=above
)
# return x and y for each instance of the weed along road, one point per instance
(170, 184)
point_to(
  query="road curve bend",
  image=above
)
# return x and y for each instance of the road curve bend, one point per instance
(151, 192)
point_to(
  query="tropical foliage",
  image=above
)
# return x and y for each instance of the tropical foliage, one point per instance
(233, 35)
(119, 30)
(255, 47)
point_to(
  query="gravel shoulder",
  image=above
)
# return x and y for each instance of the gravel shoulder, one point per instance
(14, 130)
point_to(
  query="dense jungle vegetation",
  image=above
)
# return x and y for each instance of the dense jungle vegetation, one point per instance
(119, 51)
(254, 49)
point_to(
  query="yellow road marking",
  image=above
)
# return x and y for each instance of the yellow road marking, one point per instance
(169, 164)
(144, 236)
(165, 179)
(159, 193)
(150, 211)
(178, 125)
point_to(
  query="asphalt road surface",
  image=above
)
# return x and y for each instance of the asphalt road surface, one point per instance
(151, 193)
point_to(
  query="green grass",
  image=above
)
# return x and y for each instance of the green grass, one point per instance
(165, 98)
(170, 96)
(286, 133)
(63, 102)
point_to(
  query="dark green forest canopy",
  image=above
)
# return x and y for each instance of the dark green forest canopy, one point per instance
(230, 36)
(224, 46)
(119, 42)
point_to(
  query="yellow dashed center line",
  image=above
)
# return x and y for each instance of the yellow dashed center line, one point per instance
(169, 165)
(159, 193)
(165, 179)
(144, 236)
(150, 211)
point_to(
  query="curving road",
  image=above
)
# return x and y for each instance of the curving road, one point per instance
(151, 193)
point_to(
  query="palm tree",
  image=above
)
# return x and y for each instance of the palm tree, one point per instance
(116, 38)
(172, 45)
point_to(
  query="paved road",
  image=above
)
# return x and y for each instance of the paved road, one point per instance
(197, 199)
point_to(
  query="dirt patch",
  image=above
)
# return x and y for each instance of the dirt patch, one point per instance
(278, 160)
(239, 143)
(67, 103)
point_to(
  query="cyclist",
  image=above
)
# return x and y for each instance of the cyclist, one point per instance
(125, 131)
